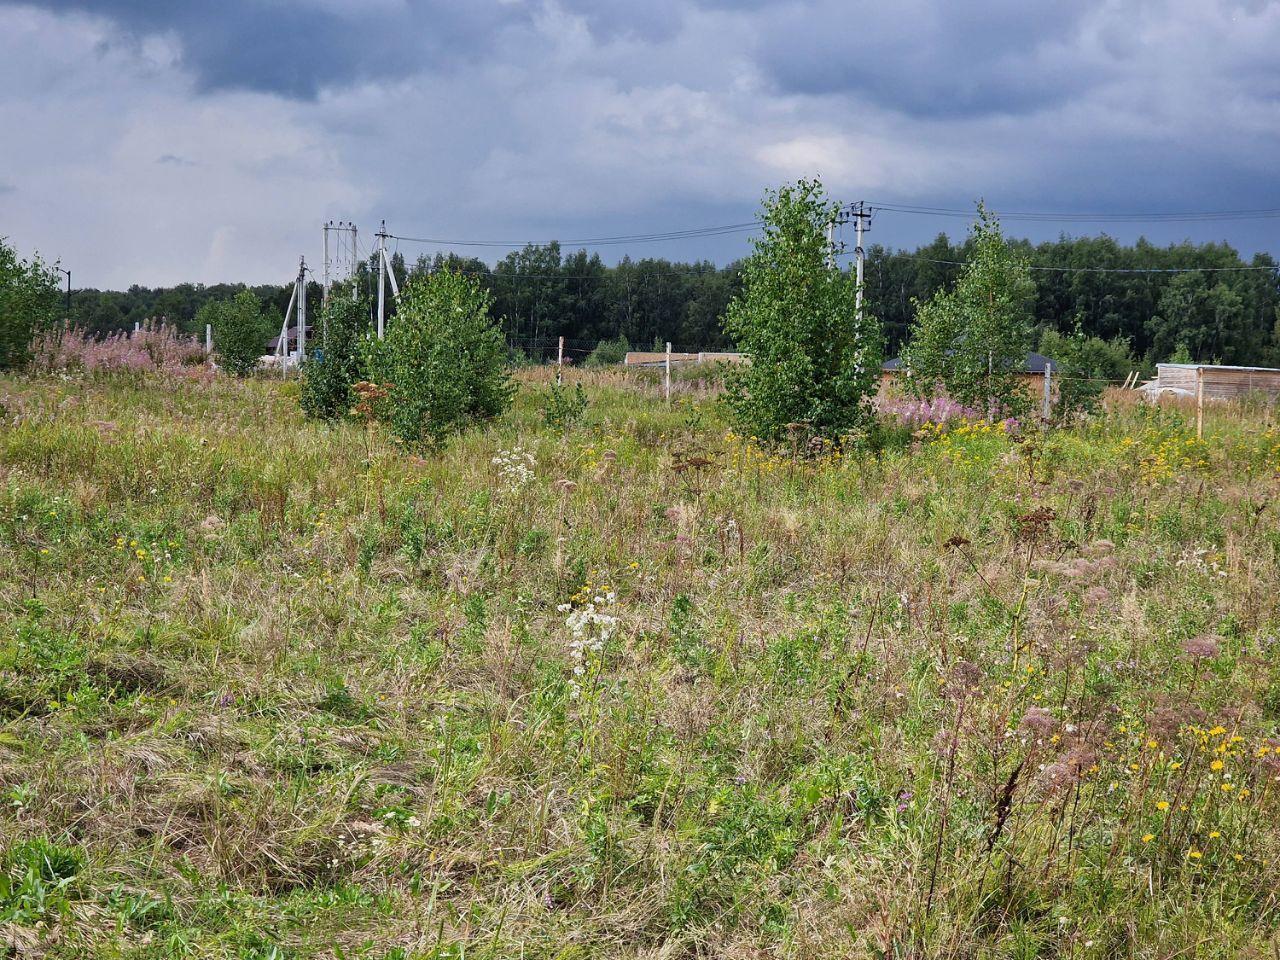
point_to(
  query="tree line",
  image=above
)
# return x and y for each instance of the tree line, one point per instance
(1215, 312)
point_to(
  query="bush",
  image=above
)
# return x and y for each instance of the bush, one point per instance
(240, 331)
(1082, 365)
(971, 341)
(609, 352)
(330, 372)
(812, 359)
(443, 360)
(28, 304)
(563, 408)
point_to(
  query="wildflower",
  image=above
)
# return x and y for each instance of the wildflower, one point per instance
(1162, 805)
(1194, 854)
(1201, 648)
(515, 468)
(1148, 837)
(1039, 721)
(1216, 765)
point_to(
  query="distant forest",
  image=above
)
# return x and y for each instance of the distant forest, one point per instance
(1217, 312)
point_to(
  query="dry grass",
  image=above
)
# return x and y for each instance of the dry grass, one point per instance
(266, 696)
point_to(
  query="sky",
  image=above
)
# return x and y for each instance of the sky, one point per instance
(155, 142)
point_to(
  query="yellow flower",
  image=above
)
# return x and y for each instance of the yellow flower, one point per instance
(1148, 837)
(1162, 805)
(1194, 854)
(1216, 765)
(1214, 834)
(1228, 787)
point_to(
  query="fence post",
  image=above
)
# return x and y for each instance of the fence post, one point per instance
(1199, 402)
(1048, 388)
(668, 376)
(208, 339)
(559, 361)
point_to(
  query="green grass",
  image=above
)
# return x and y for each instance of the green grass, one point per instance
(271, 689)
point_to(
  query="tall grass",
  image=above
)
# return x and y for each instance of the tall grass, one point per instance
(277, 689)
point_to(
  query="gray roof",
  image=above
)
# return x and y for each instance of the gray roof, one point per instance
(274, 342)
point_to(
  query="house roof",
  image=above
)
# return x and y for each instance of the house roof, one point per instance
(1035, 363)
(274, 342)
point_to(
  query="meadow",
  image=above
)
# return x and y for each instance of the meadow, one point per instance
(634, 687)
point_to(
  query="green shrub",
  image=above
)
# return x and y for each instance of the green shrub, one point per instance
(240, 331)
(1082, 366)
(813, 360)
(330, 372)
(609, 352)
(28, 304)
(562, 407)
(443, 360)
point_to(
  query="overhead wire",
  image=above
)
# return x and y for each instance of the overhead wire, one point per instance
(1195, 216)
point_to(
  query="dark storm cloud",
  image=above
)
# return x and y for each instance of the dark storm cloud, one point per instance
(929, 59)
(541, 118)
(295, 48)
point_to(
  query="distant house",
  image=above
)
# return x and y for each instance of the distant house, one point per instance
(273, 345)
(1219, 382)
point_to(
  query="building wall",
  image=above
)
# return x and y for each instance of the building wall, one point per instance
(1220, 383)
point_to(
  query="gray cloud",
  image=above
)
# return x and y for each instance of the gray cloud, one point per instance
(931, 59)
(297, 48)
(185, 141)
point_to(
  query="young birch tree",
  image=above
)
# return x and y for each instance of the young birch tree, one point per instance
(813, 360)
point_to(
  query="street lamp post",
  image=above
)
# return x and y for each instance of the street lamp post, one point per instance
(68, 273)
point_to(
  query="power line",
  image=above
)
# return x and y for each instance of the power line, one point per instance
(1198, 216)
(692, 233)
(1055, 269)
